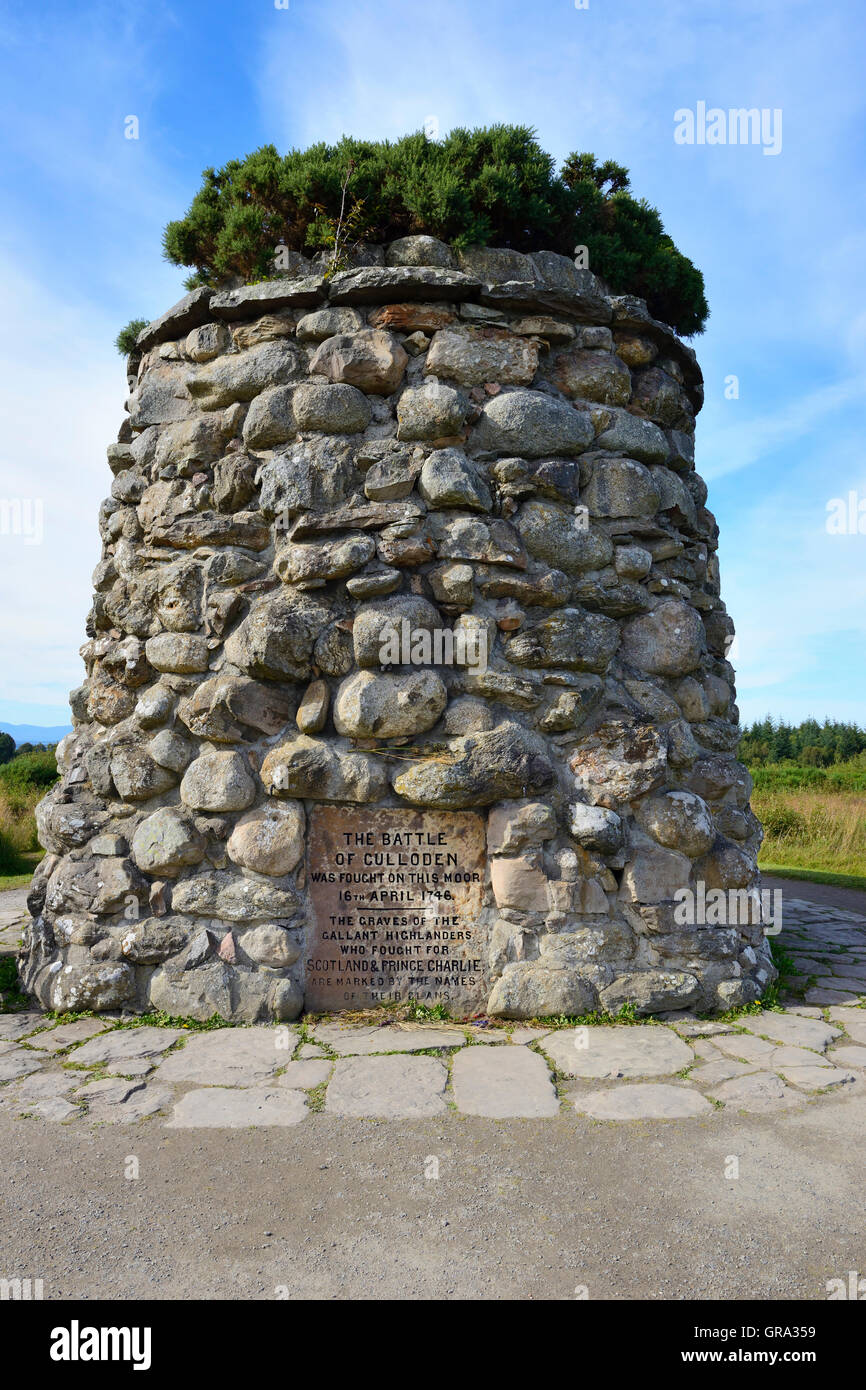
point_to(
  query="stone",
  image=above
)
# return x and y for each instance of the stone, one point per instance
(587, 375)
(679, 820)
(228, 709)
(606, 1052)
(483, 768)
(135, 775)
(131, 1051)
(229, 1057)
(387, 1088)
(554, 537)
(181, 318)
(166, 842)
(328, 323)
(396, 283)
(375, 622)
(307, 767)
(629, 435)
(812, 1078)
(393, 477)
(270, 419)
(668, 641)
(848, 1056)
(503, 1083)
(271, 946)
(276, 640)
(430, 411)
(425, 853)
(472, 356)
(759, 1093)
(448, 479)
(218, 1108)
(241, 376)
(122, 1102)
(218, 780)
(514, 826)
(651, 991)
(370, 359)
(373, 706)
(595, 827)
(519, 884)
(17, 1062)
(620, 487)
(338, 409)
(152, 939)
(360, 1040)
(14, 1026)
(570, 638)
(651, 1101)
(531, 425)
(96, 986)
(536, 990)
(412, 317)
(305, 1075)
(312, 712)
(333, 559)
(790, 1028)
(270, 839)
(619, 762)
(419, 250)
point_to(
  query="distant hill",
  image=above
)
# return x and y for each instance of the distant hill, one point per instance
(35, 733)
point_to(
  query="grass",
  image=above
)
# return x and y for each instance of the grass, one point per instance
(20, 851)
(12, 1001)
(815, 830)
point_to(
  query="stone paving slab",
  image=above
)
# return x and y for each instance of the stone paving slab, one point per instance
(712, 1073)
(829, 996)
(115, 1101)
(396, 1087)
(217, 1108)
(791, 1028)
(759, 1094)
(230, 1057)
(17, 1062)
(635, 1050)
(132, 1051)
(305, 1075)
(816, 1078)
(363, 1041)
(747, 1048)
(57, 1039)
(650, 1100)
(19, 1025)
(848, 1056)
(502, 1083)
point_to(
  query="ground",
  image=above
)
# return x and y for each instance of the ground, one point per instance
(448, 1204)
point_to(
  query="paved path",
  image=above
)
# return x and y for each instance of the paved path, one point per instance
(103, 1070)
(435, 1161)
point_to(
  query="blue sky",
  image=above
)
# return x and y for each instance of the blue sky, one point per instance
(781, 240)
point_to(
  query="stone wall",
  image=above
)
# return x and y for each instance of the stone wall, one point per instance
(486, 444)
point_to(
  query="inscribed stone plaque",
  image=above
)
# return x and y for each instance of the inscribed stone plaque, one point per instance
(396, 898)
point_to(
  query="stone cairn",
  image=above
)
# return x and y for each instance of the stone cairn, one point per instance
(481, 444)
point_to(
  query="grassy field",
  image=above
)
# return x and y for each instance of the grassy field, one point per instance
(19, 847)
(809, 829)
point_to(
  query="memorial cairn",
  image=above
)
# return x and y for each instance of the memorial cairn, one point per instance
(406, 668)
